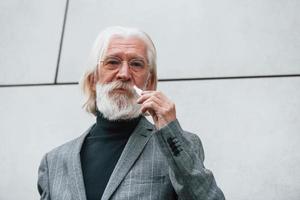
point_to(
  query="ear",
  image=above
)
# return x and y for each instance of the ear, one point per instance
(92, 81)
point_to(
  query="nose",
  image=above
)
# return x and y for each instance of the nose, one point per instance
(124, 72)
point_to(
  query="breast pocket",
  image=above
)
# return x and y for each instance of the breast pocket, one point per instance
(143, 187)
(147, 171)
(144, 179)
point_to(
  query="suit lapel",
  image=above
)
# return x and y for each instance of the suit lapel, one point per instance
(132, 150)
(76, 181)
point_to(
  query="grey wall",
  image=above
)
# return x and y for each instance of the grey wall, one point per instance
(249, 123)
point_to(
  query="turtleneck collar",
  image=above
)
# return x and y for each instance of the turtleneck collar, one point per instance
(105, 126)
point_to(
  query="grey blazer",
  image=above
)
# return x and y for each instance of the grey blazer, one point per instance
(155, 164)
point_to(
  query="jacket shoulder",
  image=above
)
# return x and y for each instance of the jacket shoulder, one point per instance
(63, 147)
(68, 147)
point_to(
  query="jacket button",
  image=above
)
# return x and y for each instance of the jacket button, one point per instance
(170, 139)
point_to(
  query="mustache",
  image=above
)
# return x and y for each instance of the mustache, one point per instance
(121, 85)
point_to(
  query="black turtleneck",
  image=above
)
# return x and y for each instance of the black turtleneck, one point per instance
(101, 151)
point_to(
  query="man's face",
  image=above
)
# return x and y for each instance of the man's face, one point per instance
(124, 65)
(131, 56)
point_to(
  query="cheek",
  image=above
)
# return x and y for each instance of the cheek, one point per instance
(140, 81)
(105, 77)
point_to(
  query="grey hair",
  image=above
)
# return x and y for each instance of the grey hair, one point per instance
(98, 51)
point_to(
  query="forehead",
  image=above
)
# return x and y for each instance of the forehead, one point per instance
(126, 46)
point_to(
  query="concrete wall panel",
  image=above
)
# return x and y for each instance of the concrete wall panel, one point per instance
(194, 38)
(249, 129)
(30, 35)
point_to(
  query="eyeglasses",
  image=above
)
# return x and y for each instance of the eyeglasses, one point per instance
(112, 63)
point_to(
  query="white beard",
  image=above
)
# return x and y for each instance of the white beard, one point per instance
(114, 105)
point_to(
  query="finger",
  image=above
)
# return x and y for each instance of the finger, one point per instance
(158, 94)
(154, 116)
(149, 105)
(148, 91)
(146, 97)
(143, 98)
(162, 109)
(162, 96)
(155, 100)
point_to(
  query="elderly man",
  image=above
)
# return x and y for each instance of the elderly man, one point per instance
(123, 155)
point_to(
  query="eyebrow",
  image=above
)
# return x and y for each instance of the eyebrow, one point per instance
(130, 56)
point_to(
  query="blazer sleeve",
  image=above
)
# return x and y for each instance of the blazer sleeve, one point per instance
(43, 180)
(185, 155)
